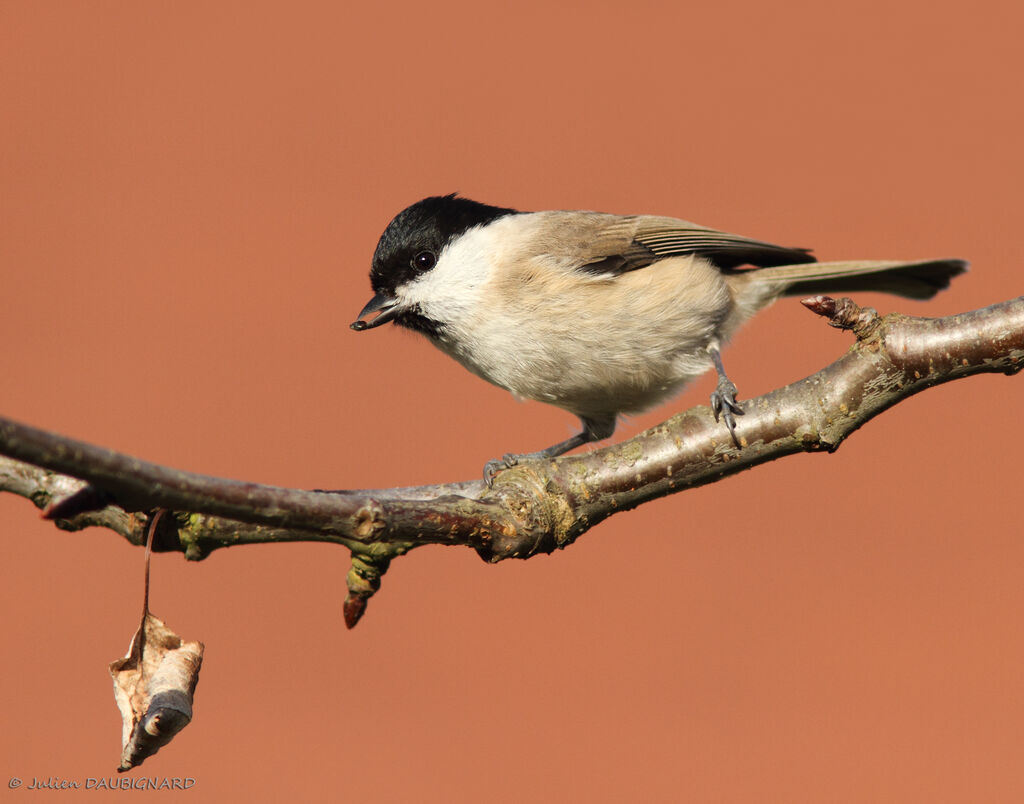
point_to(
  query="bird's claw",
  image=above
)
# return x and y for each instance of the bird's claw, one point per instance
(491, 468)
(724, 404)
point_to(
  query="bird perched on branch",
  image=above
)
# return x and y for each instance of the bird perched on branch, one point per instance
(595, 313)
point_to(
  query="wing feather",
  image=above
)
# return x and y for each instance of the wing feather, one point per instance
(619, 244)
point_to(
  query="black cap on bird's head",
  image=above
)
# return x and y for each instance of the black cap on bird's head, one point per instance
(411, 245)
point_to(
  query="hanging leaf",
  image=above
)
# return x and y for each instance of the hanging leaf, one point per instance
(153, 687)
(155, 682)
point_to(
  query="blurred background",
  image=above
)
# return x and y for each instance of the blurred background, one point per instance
(190, 194)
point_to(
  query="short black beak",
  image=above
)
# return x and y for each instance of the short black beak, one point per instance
(383, 304)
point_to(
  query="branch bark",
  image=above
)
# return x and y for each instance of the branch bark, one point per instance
(535, 507)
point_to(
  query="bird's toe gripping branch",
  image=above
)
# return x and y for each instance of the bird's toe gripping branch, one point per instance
(723, 398)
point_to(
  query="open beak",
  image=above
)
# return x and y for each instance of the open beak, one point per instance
(384, 305)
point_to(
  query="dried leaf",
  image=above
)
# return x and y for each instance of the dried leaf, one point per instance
(153, 687)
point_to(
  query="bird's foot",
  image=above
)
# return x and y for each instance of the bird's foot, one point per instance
(724, 404)
(492, 468)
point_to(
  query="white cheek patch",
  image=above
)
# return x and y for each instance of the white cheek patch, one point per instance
(450, 292)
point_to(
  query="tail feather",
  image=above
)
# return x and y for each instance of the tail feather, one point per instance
(914, 280)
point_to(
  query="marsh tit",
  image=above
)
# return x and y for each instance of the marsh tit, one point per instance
(598, 314)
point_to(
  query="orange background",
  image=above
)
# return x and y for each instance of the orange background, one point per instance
(190, 195)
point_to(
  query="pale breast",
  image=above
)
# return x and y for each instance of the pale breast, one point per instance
(595, 345)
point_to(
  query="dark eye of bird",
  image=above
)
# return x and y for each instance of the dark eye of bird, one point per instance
(424, 261)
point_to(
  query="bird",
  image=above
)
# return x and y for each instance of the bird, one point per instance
(599, 314)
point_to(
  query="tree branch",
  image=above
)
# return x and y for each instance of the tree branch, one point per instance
(537, 506)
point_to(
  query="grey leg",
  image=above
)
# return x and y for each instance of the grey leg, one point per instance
(723, 398)
(593, 430)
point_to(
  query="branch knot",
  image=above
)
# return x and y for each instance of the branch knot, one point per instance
(844, 313)
(369, 520)
(539, 516)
